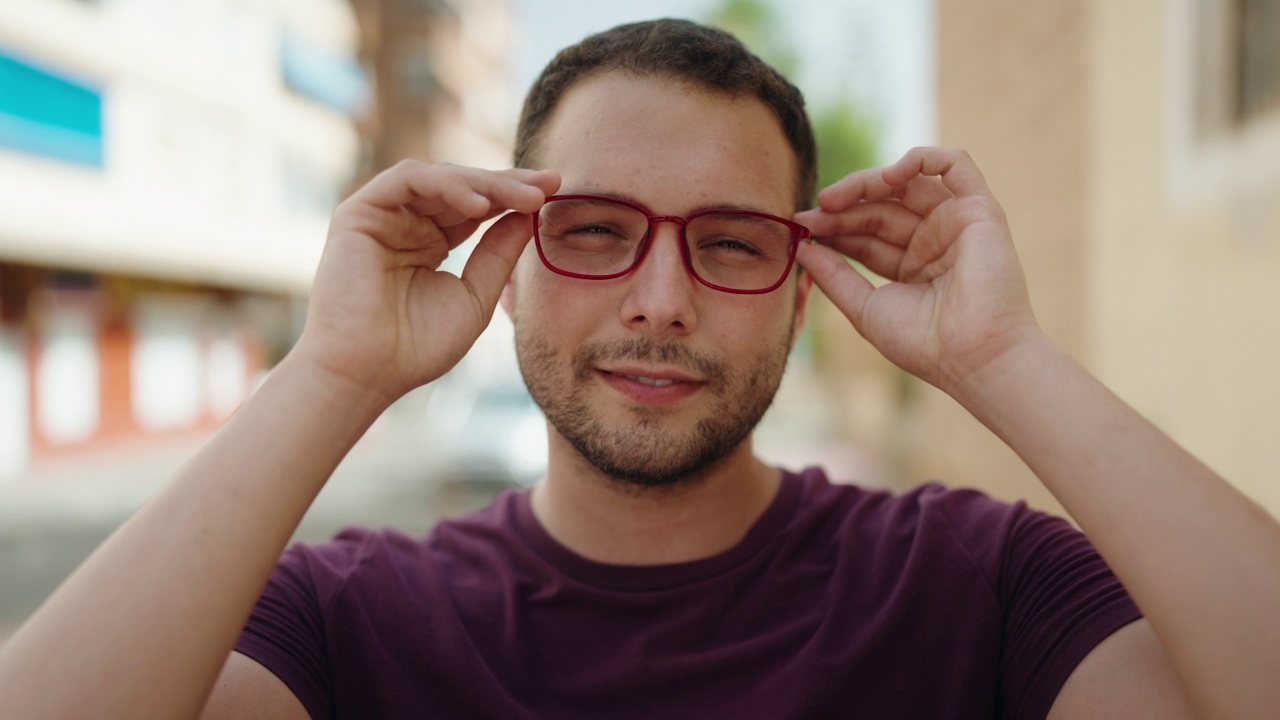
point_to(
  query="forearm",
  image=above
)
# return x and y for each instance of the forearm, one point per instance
(142, 628)
(1200, 559)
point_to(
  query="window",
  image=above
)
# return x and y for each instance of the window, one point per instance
(1238, 63)
(1256, 57)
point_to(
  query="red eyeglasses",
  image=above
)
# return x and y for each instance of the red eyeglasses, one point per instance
(592, 237)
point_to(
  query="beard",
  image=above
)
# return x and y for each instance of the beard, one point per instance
(645, 452)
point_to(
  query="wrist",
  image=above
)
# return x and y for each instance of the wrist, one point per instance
(360, 398)
(1024, 351)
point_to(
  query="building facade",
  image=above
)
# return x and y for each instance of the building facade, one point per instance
(167, 169)
(167, 172)
(1136, 147)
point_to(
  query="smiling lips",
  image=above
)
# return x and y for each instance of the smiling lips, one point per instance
(668, 387)
(656, 382)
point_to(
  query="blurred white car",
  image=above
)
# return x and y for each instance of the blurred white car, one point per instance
(493, 433)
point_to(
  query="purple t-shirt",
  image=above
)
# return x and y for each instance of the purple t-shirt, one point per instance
(839, 602)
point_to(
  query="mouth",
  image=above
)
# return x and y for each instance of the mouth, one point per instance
(659, 377)
(651, 387)
(655, 382)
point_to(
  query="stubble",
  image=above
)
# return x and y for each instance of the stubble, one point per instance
(644, 451)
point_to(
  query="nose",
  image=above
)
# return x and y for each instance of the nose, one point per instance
(660, 292)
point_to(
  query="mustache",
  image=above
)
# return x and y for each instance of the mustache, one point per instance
(645, 349)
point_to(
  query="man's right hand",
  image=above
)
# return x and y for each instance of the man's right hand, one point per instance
(382, 315)
(382, 320)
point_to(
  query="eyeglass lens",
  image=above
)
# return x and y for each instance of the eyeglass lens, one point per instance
(598, 238)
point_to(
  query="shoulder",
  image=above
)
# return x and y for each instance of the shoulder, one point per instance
(937, 530)
(361, 551)
(968, 516)
(354, 550)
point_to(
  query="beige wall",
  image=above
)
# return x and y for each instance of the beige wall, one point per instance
(1153, 253)
(1186, 313)
(1012, 90)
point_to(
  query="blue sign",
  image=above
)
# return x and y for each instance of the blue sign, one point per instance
(48, 114)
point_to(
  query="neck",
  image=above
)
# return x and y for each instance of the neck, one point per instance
(607, 521)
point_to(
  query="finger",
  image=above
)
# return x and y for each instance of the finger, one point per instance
(408, 180)
(880, 257)
(517, 189)
(868, 184)
(495, 256)
(416, 235)
(456, 224)
(451, 194)
(421, 254)
(923, 193)
(889, 220)
(839, 281)
(956, 169)
(460, 233)
(448, 196)
(546, 180)
(520, 190)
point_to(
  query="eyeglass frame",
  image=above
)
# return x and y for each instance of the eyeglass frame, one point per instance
(799, 233)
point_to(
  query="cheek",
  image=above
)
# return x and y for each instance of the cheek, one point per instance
(551, 305)
(772, 316)
(529, 286)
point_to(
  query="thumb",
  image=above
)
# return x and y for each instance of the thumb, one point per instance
(839, 281)
(495, 256)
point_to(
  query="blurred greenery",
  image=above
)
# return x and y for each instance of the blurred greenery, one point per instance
(756, 23)
(846, 136)
(846, 141)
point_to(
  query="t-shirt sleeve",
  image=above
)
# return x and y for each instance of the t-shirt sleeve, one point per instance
(285, 632)
(1059, 600)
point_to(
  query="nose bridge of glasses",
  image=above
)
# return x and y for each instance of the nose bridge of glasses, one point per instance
(656, 222)
(655, 227)
(675, 219)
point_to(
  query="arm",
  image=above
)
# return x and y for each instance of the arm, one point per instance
(246, 690)
(144, 626)
(1200, 559)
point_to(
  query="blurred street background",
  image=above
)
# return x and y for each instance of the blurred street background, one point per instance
(168, 167)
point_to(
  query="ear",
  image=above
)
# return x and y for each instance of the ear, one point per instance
(804, 287)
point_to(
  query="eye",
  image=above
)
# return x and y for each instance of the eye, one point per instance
(592, 229)
(729, 244)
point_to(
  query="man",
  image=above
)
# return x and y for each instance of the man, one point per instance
(661, 570)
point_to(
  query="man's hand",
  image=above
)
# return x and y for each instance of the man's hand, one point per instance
(382, 315)
(1199, 559)
(929, 224)
(382, 320)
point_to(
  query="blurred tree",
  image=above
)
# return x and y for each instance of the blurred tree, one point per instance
(846, 141)
(846, 136)
(757, 23)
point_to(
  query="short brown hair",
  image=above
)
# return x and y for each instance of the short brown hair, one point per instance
(674, 50)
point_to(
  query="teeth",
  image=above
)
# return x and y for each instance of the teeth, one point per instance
(651, 381)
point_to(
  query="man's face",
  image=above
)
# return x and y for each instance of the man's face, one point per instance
(653, 377)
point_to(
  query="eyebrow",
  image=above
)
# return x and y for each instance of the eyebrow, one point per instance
(618, 195)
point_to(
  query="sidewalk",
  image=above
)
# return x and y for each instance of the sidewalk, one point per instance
(111, 484)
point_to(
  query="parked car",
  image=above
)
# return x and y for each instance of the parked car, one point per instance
(493, 433)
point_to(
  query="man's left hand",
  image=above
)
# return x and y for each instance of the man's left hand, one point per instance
(928, 223)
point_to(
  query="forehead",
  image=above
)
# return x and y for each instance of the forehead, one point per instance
(671, 145)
